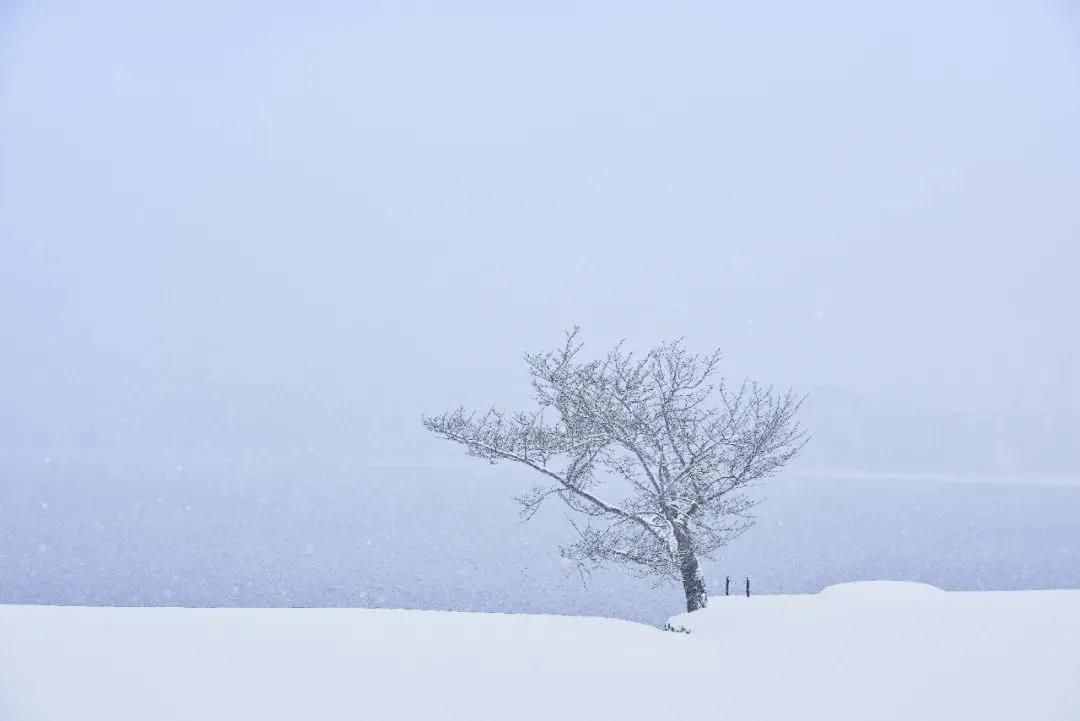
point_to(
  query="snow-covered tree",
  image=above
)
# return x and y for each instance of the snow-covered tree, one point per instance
(655, 452)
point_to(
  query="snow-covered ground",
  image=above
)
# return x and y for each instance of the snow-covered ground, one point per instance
(856, 652)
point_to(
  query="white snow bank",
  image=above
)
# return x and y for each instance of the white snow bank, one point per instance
(985, 656)
(883, 590)
(888, 650)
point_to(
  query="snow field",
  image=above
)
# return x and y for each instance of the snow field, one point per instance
(858, 652)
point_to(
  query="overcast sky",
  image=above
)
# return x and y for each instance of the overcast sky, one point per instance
(377, 207)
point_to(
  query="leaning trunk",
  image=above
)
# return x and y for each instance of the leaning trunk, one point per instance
(692, 581)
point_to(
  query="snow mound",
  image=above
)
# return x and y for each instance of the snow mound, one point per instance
(882, 590)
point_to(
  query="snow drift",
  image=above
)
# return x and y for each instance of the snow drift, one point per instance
(862, 652)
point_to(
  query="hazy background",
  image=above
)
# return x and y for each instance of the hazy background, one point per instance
(244, 246)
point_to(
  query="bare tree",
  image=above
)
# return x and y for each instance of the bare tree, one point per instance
(660, 432)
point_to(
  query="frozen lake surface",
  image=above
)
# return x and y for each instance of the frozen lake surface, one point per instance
(451, 539)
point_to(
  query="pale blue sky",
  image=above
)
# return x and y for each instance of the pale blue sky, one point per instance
(377, 210)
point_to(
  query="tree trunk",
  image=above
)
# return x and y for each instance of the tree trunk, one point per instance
(692, 581)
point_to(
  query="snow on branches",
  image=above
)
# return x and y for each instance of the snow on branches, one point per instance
(661, 431)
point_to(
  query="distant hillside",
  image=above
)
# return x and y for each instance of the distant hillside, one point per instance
(891, 431)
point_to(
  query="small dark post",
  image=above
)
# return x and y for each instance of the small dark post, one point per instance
(748, 587)
(727, 586)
